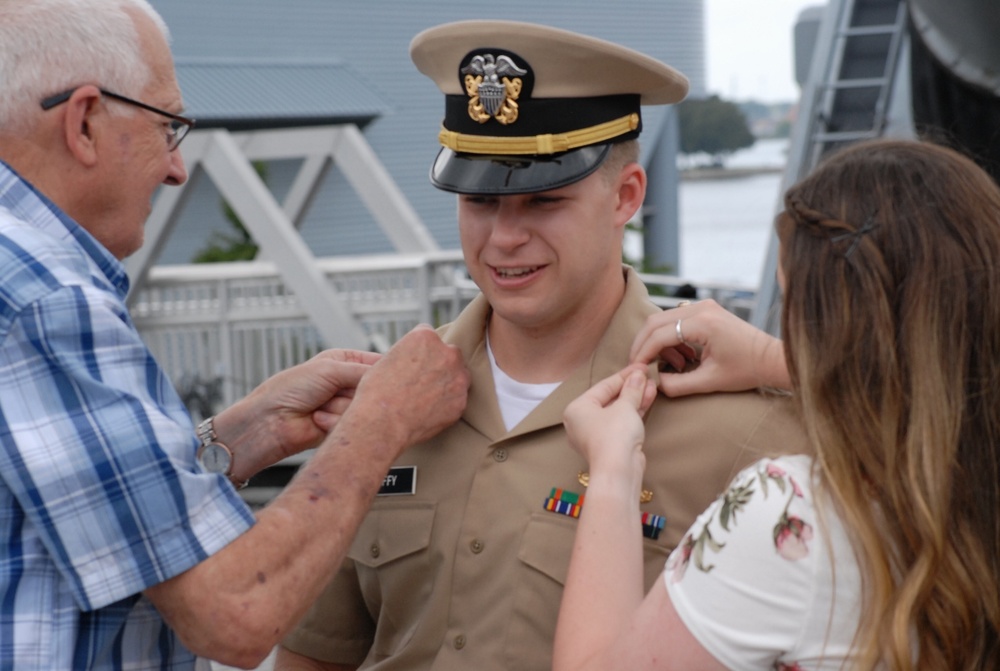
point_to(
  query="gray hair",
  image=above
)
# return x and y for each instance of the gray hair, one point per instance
(49, 46)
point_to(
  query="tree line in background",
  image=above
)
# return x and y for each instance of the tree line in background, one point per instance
(718, 127)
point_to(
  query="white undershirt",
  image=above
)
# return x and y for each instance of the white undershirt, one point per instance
(517, 399)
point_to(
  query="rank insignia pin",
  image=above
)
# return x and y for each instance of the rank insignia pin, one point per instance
(645, 496)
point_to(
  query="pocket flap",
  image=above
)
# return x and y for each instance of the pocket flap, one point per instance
(391, 531)
(548, 544)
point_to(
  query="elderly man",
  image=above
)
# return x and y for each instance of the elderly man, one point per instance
(463, 568)
(123, 544)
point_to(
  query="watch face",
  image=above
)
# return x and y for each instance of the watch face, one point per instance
(215, 458)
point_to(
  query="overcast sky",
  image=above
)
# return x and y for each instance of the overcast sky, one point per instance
(749, 48)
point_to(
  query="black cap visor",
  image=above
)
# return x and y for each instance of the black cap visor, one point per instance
(480, 174)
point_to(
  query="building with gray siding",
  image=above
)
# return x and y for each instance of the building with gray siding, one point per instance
(262, 61)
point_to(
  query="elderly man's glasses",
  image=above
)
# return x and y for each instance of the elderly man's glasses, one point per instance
(179, 125)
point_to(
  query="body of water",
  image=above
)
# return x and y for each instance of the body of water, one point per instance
(725, 223)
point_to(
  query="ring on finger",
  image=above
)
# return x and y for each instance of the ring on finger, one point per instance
(680, 334)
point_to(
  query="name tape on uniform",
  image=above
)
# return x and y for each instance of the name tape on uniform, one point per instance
(400, 481)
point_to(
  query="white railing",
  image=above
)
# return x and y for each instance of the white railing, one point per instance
(219, 330)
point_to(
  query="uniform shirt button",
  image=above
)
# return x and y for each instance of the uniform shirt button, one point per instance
(375, 550)
(459, 641)
(476, 546)
(500, 455)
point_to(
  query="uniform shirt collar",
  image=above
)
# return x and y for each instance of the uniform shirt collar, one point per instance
(468, 333)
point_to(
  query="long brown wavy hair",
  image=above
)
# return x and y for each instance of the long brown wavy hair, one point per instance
(891, 323)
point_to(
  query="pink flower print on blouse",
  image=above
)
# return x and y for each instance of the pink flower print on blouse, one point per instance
(777, 474)
(791, 534)
(692, 548)
(781, 666)
(679, 559)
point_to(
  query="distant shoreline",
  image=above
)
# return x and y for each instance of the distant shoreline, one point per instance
(727, 173)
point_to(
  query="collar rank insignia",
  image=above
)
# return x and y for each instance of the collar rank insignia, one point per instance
(564, 503)
(493, 84)
(652, 525)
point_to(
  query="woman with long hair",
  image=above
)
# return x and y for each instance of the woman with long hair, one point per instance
(880, 550)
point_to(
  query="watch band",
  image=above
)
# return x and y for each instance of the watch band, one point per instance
(207, 435)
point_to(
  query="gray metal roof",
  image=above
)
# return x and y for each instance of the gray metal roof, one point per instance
(243, 93)
(373, 38)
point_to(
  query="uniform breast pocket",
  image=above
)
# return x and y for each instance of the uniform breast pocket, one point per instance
(390, 552)
(545, 553)
(544, 559)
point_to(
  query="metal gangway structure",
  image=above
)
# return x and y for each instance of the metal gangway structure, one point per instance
(893, 68)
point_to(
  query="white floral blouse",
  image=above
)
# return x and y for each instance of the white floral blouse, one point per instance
(763, 579)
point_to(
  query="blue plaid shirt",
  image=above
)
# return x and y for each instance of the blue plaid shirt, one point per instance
(100, 493)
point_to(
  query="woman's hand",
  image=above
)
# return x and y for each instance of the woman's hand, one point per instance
(605, 425)
(732, 354)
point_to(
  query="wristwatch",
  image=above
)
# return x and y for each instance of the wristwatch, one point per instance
(214, 455)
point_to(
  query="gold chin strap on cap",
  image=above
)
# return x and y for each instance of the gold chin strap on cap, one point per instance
(538, 144)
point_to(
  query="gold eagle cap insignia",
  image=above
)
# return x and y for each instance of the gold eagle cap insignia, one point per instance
(493, 84)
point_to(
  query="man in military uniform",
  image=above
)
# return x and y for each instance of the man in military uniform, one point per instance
(460, 563)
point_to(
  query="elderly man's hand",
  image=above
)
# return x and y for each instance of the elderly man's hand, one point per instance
(419, 387)
(292, 410)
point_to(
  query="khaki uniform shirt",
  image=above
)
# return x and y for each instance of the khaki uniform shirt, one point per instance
(468, 570)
